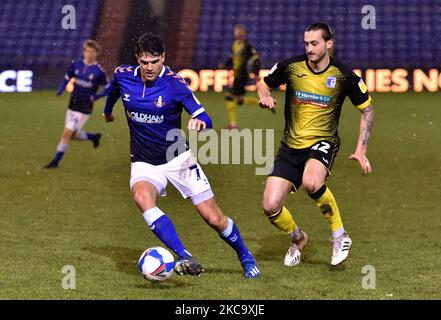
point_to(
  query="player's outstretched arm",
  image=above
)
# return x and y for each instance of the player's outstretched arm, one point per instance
(366, 122)
(113, 96)
(200, 122)
(265, 98)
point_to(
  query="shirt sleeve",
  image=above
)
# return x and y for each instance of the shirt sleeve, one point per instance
(186, 97)
(103, 80)
(113, 94)
(69, 74)
(277, 75)
(356, 91)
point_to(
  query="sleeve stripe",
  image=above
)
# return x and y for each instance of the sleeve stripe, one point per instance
(266, 85)
(197, 112)
(365, 104)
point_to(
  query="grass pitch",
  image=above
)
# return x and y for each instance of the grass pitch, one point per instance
(82, 214)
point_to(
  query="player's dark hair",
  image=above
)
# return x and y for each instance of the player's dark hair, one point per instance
(150, 43)
(327, 32)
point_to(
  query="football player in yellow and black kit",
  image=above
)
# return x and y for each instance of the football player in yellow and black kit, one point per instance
(316, 87)
(244, 60)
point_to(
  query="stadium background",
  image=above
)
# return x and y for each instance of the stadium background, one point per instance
(83, 215)
(198, 33)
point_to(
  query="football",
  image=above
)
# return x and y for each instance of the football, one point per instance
(156, 264)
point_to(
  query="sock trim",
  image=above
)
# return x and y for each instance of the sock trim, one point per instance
(226, 233)
(153, 214)
(274, 215)
(318, 193)
(62, 147)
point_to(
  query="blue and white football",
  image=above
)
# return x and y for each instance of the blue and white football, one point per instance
(156, 264)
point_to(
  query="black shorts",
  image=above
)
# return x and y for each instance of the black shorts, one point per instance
(290, 163)
(239, 84)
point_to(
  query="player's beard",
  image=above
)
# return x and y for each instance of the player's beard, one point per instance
(319, 58)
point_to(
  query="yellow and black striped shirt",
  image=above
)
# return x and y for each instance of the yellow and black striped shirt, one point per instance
(242, 54)
(313, 100)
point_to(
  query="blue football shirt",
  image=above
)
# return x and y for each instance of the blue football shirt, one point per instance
(88, 78)
(152, 109)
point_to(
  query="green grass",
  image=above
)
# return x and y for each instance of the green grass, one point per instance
(82, 214)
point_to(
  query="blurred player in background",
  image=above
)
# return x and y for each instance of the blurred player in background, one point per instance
(245, 62)
(89, 76)
(317, 85)
(154, 98)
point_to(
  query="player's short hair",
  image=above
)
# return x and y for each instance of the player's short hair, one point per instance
(327, 32)
(150, 43)
(241, 26)
(89, 43)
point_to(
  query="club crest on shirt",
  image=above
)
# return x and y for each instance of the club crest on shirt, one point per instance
(91, 76)
(331, 82)
(159, 103)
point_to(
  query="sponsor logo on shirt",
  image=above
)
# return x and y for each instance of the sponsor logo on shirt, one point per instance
(144, 117)
(319, 100)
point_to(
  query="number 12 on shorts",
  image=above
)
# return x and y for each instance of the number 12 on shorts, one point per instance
(321, 146)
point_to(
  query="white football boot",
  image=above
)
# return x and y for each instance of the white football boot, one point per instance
(340, 249)
(292, 257)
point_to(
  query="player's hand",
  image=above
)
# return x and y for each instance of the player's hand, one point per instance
(363, 160)
(108, 117)
(196, 124)
(267, 102)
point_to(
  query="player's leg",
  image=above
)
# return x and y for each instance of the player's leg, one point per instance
(192, 183)
(84, 135)
(66, 136)
(313, 180)
(285, 178)
(274, 196)
(227, 230)
(147, 183)
(231, 106)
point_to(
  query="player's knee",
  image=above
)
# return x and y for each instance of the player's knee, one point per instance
(143, 198)
(217, 221)
(270, 206)
(310, 185)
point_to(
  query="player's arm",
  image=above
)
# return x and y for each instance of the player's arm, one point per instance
(227, 63)
(200, 122)
(200, 119)
(366, 123)
(264, 93)
(253, 62)
(114, 94)
(274, 79)
(357, 92)
(104, 82)
(69, 74)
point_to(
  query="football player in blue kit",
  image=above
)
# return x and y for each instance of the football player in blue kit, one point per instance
(154, 98)
(89, 76)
